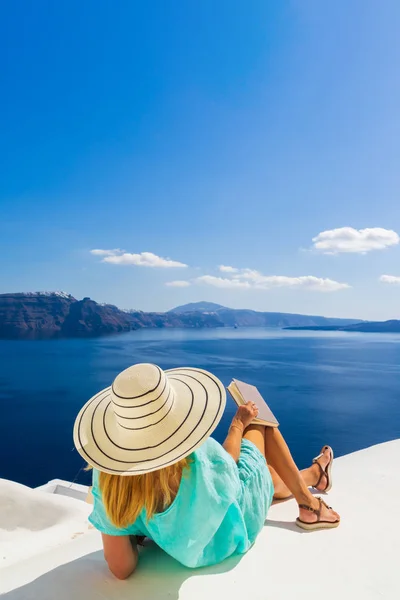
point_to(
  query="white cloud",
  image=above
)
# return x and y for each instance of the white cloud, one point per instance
(221, 282)
(98, 252)
(250, 279)
(305, 281)
(389, 279)
(226, 269)
(144, 259)
(361, 241)
(308, 282)
(178, 284)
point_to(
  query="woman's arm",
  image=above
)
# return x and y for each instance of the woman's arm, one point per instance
(234, 439)
(121, 554)
(244, 416)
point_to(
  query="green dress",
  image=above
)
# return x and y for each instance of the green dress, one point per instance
(219, 509)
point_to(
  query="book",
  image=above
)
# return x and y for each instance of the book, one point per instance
(244, 392)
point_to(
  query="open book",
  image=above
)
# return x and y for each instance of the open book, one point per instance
(244, 392)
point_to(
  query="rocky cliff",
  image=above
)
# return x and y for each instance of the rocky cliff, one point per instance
(33, 315)
(44, 315)
(87, 318)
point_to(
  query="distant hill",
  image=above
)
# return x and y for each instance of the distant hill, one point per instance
(232, 317)
(197, 307)
(45, 315)
(392, 326)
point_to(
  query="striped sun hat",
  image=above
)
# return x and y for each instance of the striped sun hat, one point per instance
(148, 419)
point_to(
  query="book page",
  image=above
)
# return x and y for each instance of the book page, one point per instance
(236, 395)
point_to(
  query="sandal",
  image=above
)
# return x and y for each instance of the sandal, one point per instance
(327, 472)
(318, 524)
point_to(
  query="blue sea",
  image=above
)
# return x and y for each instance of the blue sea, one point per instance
(337, 388)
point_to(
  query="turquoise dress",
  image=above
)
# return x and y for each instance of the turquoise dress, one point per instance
(219, 509)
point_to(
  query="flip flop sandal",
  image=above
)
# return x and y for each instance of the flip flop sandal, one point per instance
(327, 472)
(318, 524)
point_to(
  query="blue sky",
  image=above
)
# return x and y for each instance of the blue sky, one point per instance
(214, 133)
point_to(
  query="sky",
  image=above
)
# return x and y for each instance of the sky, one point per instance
(245, 153)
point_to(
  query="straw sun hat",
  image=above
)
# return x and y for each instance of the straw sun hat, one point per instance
(148, 419)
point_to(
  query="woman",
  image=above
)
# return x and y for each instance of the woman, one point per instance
(158, 473)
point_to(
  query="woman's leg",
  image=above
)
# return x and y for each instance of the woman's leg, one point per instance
(286, 477)
(257, 435)
(279, 458)
(310, 477)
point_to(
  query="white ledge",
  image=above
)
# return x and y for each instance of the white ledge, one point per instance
(48, 551)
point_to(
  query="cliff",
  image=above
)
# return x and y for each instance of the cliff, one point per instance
(33, 315)
(87, 318)
(45, 315)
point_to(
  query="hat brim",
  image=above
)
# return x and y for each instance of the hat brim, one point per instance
(193, 413)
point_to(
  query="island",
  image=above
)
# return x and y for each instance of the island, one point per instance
(49, 315)
(391, 326)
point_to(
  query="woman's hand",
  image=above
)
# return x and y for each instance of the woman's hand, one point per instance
(245, 414)
(241, 420)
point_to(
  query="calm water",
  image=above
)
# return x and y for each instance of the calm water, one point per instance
(341, 389)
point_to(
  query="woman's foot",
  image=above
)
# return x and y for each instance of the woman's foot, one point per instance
(317, 515)
(321, 468)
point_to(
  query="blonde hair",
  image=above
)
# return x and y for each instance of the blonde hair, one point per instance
(125, 496)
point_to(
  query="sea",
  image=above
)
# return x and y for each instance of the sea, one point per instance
(341, 389)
